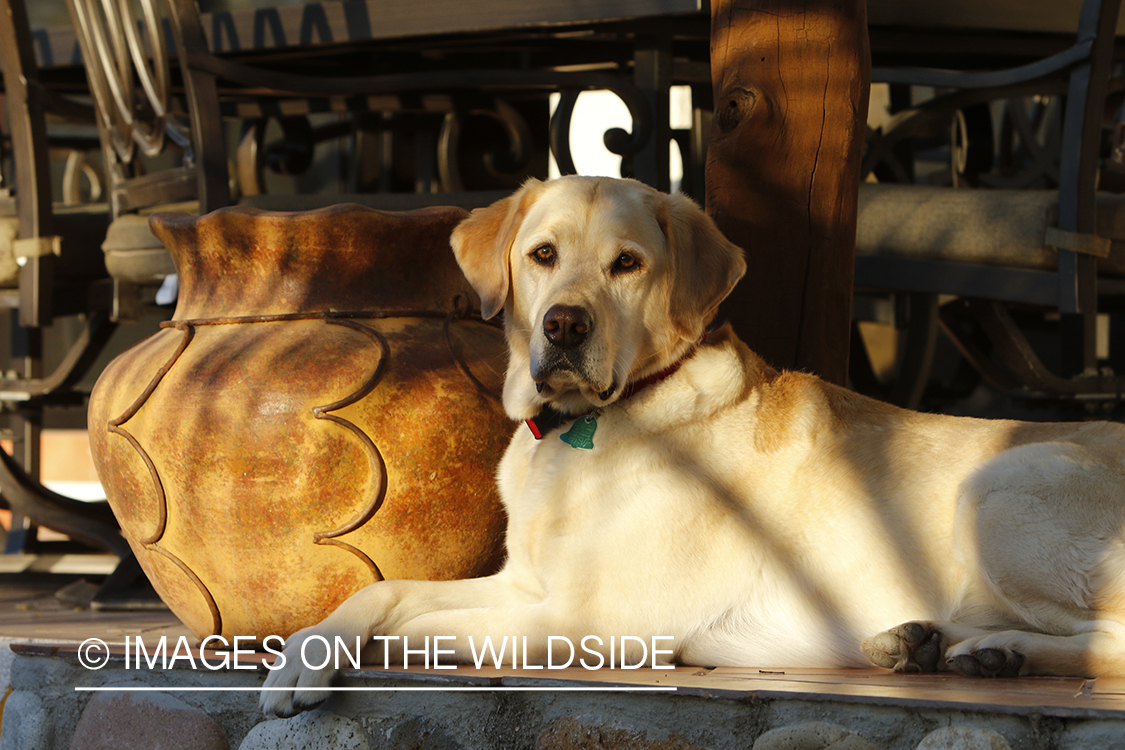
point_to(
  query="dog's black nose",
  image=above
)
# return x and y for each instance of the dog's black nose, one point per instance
(566, 326)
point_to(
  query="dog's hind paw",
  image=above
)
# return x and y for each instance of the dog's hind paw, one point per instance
(988, 662)
(910, 647)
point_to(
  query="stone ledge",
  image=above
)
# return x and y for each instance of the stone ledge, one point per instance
(863, 709)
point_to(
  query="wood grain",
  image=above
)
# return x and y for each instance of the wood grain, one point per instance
(791, 86)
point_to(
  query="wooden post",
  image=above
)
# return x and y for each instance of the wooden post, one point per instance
(791, 83)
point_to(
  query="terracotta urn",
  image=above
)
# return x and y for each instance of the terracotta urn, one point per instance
(317, 416)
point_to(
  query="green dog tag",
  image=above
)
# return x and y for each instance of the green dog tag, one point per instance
(581, 433)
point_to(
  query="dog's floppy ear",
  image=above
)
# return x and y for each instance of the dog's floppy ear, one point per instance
(483, 241)
(705, 264)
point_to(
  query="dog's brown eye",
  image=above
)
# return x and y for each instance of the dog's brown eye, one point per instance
(625, 262)
(544, 255)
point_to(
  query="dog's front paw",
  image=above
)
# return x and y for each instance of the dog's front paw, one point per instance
(910, 647)
(293, 687)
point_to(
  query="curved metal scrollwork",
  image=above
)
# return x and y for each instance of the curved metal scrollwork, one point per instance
(617, 140)
(560, 132)
(494, 82)
(498, 161)
(1029, 149)
(122, 50)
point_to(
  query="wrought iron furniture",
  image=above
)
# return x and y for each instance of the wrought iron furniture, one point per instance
(1053, 249)
(144, 111)
(55, 277)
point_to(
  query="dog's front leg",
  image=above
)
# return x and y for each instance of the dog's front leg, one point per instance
(380, 609)
(514, 635)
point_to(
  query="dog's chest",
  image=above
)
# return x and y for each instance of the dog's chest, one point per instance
(568, 504)
(581, 460)
(556, 488)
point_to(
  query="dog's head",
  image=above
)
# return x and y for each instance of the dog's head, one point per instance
(602, 282)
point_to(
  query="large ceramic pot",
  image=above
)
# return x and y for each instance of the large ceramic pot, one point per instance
(314, 418)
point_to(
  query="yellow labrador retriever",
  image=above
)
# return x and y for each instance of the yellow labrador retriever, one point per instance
(672, 484)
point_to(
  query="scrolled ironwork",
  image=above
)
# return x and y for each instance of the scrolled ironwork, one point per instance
(930, 120)
(560, 132)
(497, 161)
(617, 140)
(496, 82)
(124, 53)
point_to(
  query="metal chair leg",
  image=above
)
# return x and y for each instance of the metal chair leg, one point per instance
(1008, 362)
(918, 359)
(87, 523)
(19, 486)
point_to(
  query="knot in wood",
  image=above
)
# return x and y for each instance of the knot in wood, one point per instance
(734, 106)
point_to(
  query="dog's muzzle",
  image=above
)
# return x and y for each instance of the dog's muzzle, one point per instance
(566, 328)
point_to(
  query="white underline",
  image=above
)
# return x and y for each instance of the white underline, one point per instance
(466, 689)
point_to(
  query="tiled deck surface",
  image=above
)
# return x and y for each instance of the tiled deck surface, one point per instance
(30, 611)
(1045, 696)
(1039, 695)
(893, 711)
